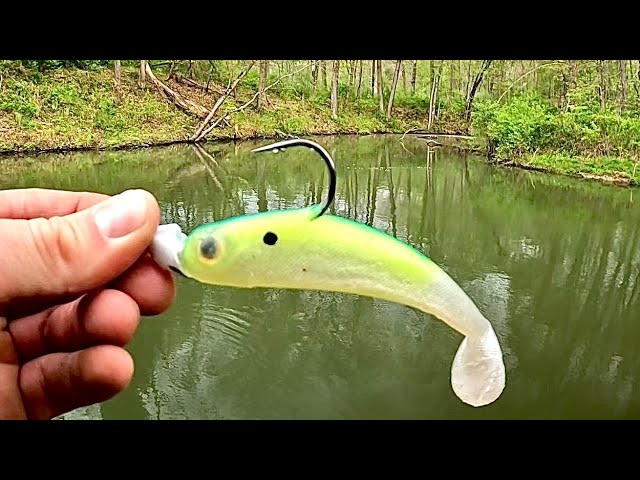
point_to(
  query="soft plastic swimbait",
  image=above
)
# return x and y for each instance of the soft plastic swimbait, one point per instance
(309, 249)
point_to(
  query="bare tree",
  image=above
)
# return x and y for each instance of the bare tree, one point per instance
(314, 75)
(374, 64)
(143, 70)
(573, 75)
(623, 86)
(394, 85)
(602, 90)
(264, 73)
(474, 88)
(323, 71)
(414, 75)
(351, 71)
(433, 96)
(380, 86)
(637, 83)
(117, 72)
(359, 78)
(334, 89)
(564, 88)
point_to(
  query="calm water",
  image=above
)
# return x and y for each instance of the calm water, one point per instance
(554, 263)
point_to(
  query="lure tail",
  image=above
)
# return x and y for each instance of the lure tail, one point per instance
(304, 248)
(478, 371)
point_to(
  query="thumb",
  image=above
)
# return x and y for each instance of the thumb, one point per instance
(72, 254)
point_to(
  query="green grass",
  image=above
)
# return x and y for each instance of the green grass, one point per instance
(610, 169)
(70, 108)
(583, 140)
(78, 109)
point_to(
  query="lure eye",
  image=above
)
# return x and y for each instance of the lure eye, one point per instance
(208, 249)
(270, 238)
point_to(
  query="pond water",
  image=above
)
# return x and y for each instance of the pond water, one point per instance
(552, 262)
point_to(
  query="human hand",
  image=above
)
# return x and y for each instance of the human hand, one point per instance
(75, 277)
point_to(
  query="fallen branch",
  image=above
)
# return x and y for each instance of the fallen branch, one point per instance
(245, 105)
(197, 136)
(192, 83)
(405, 133)
(284, 134)
(178, 99)
(208, 161)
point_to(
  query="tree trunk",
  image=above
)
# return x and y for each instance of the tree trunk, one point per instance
(638, 83)
(380, 86)
(143, 69)
(433, 95)
(117, 72)
(351, 70)
(573, 75)
(563, 91)
(359, 78)
(623, 86)
(262, 96)
(323, 71)
(451, 82)
(432, 71)
(602, 89)
(394, 85)
(314, 75)
(334, 89)
(403, 75)
(474, 88)
(374, 64)
(414, 75)
(172, 67)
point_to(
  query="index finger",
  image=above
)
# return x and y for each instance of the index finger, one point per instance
(28, 203)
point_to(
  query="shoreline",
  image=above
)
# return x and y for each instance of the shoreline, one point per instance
(618, 181)
(36, 151)
(71, 111)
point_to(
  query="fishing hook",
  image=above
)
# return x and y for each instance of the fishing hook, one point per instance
(321, 151)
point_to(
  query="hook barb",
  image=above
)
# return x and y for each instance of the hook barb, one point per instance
(296, 142)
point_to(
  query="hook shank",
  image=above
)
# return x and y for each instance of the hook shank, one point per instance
(321, 151)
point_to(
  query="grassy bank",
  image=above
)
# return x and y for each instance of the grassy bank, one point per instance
(78, 108)
(71, 109)
(580, 140)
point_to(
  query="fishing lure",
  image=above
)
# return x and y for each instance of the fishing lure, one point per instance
(308, 248)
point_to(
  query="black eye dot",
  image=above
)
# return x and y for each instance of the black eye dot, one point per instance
(208, 248)
(270, 238)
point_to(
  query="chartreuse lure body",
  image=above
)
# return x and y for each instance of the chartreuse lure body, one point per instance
(307, 249)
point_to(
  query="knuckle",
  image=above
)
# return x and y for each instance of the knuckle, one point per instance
(55, 242)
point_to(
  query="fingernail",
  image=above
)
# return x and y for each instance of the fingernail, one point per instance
(122, 214)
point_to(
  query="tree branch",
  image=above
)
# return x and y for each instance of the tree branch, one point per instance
(525, 74)
(197, 136)
(245, 105)
(178, 99)
(192, 83)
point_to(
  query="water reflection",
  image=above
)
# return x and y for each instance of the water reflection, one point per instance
(554, 264)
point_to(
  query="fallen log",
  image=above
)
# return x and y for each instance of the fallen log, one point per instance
(175, 97)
